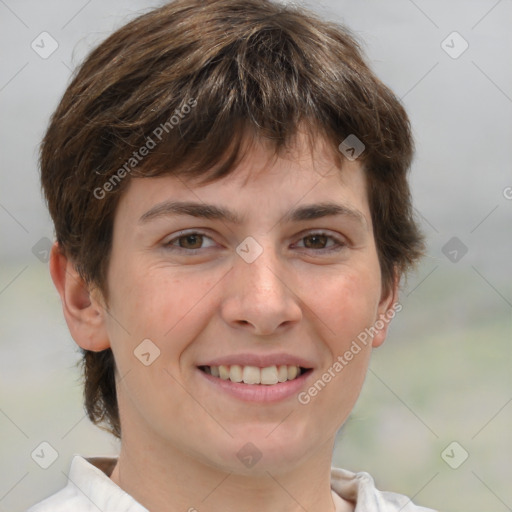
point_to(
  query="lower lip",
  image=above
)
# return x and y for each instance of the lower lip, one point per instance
(259, 392)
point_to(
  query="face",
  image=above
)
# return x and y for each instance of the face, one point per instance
(271, 269)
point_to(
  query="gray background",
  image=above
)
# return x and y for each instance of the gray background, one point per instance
(444, 374)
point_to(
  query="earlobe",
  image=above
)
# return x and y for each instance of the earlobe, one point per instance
(388, 308)
(84, 313)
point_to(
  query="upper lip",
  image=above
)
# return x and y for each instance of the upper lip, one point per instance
(259, 360)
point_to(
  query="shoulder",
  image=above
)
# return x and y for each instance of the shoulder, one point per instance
(360, 488)
(85, 480)
(63, 501)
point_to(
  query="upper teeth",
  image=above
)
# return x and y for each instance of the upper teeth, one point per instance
(253, 374)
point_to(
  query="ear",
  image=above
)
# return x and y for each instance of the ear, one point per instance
(387, 309)
(84, 310)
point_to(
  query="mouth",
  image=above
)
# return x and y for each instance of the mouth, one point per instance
(254, 375)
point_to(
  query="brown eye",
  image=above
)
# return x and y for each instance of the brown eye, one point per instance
(193, 241)
(321, 243)
(315, 241)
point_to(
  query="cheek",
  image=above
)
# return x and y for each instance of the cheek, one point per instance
(345, 305)
(169, 310)
(158, 304)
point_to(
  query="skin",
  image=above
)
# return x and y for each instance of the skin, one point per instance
(180, 435)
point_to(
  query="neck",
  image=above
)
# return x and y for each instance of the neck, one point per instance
(172, 480)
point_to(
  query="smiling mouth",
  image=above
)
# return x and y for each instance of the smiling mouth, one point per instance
(268, 376)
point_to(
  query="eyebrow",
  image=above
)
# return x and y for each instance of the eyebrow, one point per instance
(211, 211)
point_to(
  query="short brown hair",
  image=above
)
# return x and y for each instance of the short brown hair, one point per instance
(199, 76)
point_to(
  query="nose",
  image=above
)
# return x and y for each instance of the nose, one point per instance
(259, 296)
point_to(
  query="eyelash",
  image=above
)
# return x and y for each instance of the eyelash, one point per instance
(338, 243)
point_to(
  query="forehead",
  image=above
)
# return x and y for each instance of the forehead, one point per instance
(262, 183)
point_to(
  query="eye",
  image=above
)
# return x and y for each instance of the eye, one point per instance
(189, 241)
(194, 241)
(322, 242)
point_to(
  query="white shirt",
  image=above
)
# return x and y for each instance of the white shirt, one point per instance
(89, 489)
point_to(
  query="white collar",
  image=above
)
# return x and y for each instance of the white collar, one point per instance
(89, 480)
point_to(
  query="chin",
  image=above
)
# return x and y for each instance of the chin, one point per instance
(259, 450)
